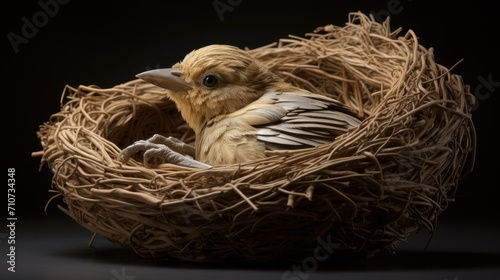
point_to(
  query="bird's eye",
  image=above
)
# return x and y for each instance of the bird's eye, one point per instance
(210, 81)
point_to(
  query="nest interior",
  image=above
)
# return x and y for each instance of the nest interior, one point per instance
(364, 193)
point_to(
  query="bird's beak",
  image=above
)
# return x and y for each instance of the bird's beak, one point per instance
(168, 78)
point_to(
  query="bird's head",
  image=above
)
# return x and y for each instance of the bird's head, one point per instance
(211, 81)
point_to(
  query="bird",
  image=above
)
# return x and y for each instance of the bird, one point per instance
(238, 108)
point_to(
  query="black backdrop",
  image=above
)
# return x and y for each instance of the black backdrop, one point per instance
(48, 44)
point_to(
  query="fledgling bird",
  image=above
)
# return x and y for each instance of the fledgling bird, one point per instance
(238, 108)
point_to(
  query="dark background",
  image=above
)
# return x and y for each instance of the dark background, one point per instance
(108, 43)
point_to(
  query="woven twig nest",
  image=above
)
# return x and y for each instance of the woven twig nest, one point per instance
(363, 193)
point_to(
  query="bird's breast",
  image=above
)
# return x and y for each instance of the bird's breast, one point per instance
(228, 141)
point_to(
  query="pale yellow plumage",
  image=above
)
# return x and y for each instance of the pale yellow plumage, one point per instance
(238, 108)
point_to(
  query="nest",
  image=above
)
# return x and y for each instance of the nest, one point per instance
(364, 193)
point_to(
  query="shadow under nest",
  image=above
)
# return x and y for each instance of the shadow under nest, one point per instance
(362, 194)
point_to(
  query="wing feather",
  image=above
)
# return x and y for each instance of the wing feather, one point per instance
(291, 120)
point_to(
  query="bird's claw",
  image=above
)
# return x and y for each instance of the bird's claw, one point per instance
(155, 151)
(149, 151)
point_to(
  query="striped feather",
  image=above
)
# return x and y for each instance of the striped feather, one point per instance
(291, 120)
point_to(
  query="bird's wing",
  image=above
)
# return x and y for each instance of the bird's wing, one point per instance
(292, 120)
